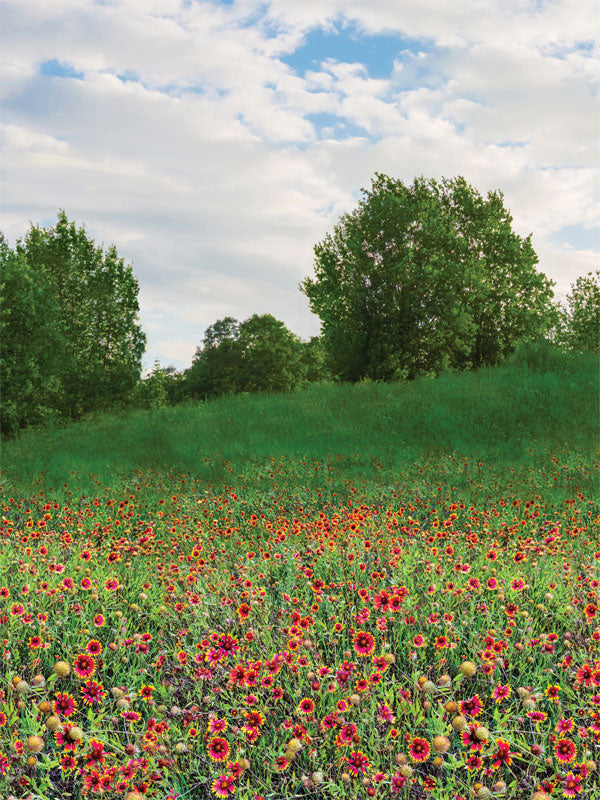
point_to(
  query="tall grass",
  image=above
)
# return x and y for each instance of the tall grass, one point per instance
(368, 431)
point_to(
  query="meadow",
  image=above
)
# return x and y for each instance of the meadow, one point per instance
(385, 591)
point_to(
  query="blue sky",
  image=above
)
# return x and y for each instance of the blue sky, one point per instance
(376, 53)
(216, 142)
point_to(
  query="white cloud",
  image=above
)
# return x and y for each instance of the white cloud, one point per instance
(189, 142)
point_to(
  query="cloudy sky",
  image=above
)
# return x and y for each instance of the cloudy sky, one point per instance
(216, 142)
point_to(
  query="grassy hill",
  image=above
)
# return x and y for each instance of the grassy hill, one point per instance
(514, 416)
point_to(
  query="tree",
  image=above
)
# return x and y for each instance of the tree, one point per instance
(423, 278)
(216, 364)
(32, 345)
(581, 321)
(259, 354)
(314, 361)
(96, 294)
(270, 355)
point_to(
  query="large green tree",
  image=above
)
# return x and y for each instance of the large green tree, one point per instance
(259, 354)
(424, 277)
(96, 294)
(581, 321)
(32, 345)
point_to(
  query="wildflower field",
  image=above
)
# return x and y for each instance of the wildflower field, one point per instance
(295, 630)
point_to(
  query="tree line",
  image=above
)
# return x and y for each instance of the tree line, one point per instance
(417, 280)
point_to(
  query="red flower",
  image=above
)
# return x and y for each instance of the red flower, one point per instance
(84, 665)
(92, 692)
(572, 785)
(471, 707)
(223, 786)
(64, 704)
(419, 749)
(364, 643)
(306, 706)
(219, 749)
(564, 750)
(503, 754)
(358, 763)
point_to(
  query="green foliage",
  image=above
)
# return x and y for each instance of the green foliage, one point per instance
(423, 278)
(259, 354)
(71, 341)
(96, 294)
(32, 345)
(379, 431)
(582, 317)
(314, 361)
(152, 391)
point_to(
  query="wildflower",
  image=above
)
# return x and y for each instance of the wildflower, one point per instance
(473, 763)
(503, 755)
(218, 748)
(357, 763)
(364, 643)
(572, 785)
(537, 716)
(471, 707)
(217, 725)
(501, 693)
(64, 704)
(84, 666)
(146, 693)
(223, 786)
(67, 763)
(92, 692)
(553, 692)
(419, 749)
(94, 648)
(306, 706)
(564, 750)
(565, 725)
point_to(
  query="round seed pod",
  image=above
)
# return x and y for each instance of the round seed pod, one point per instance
(76, 734)
(441, 744)
(459, 723)
(53, 723)
(468, 669)
(35, 744)
(62, 669)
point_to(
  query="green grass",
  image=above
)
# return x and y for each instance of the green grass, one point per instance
(368, 433)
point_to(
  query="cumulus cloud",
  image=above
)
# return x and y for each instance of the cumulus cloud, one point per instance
(180, 132)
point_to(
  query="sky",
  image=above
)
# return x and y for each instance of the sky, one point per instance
(216, 142)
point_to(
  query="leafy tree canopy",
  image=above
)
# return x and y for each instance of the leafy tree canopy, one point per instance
(71, 341)
(426, 277)
(259, 354)
(581, 320)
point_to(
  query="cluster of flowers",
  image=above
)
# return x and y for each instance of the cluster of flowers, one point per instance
(376, 650)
